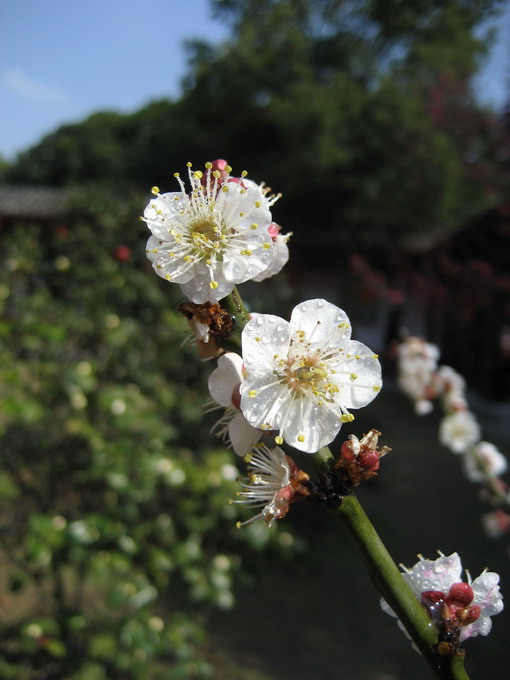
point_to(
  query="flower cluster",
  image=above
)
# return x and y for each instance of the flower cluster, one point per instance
(422, 379)
(296, 383)
(458, 609)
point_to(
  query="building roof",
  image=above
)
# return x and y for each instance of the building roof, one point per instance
(31, 202)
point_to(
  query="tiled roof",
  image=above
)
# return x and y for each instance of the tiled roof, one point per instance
(31, 202)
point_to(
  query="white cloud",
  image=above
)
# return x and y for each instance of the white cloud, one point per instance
(31, 89)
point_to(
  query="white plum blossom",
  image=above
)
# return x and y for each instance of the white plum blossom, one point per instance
(471, 604)
(496, 523)
(484, 460)
(453, 387)
(458, 431)
(417, 365)
(270, 473)
(223, 385)
(451, 379)
(211, 238)
(302, 377)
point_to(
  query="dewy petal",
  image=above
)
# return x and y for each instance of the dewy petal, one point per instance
(487, 593)
(263, 337)
(242, 435)
(361, 373)
(198, 289)
(294, 428)
(280, 258)
(482, 626)
(488, 596)
(321, 321)
(437, 574)
(261, 402)
(225, 377)
(162, 209)
(167, 266)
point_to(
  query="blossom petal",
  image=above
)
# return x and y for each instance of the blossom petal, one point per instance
(242, 435)
(294, 425)
(362, 376)
(487, 593)
(264, 336)
(261, 402)
(198, 289)
(437, 574)
(225, 377)
(322, 322)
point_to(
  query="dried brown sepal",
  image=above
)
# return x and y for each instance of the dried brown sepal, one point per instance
(300, 482)
(210, 323)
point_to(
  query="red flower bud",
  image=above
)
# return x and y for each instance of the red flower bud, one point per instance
(220, 164)
(460, 595)
(432, 597)
(347, 451)
(369, 459)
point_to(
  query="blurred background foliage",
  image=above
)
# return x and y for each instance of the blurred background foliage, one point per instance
(113, 496)
(113, 499)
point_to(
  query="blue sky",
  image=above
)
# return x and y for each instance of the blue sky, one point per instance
(61, 60)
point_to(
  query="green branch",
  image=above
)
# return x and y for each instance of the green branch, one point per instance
(388, 580)
(234, 305)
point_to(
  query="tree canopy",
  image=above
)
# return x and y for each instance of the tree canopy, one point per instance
(360, 111)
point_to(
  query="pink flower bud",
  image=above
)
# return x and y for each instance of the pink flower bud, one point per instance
(274, 230)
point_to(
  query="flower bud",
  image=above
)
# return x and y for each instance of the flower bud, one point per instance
(432, 597)
(460, 595)
(350, 449)
(469, 614)
(369, 459)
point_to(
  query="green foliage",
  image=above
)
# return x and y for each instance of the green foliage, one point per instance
(116, 536)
